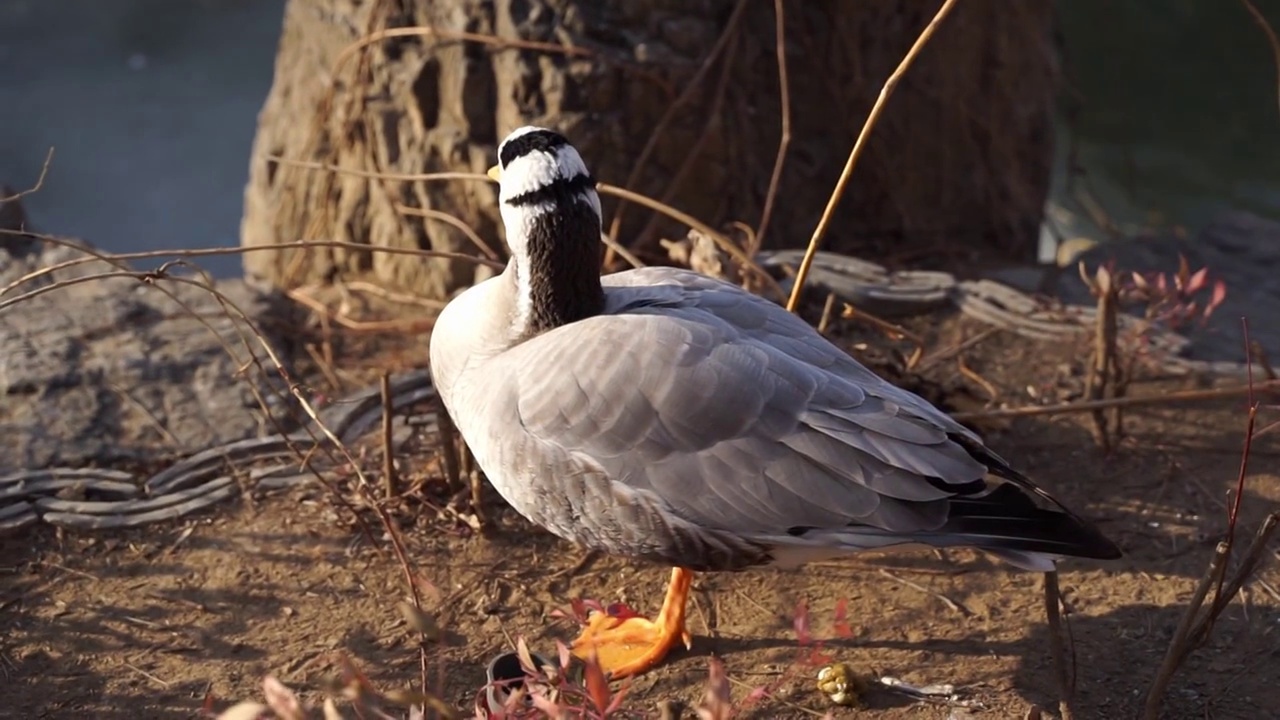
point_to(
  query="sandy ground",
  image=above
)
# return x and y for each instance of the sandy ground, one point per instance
(144, 624)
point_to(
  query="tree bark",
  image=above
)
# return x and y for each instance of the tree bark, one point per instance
(959, 163)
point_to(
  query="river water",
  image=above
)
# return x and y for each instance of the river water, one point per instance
(151, 106)
(1173, 111)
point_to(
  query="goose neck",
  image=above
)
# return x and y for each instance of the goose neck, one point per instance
(556, 258)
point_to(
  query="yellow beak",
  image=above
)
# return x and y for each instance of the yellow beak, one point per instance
(495, 173)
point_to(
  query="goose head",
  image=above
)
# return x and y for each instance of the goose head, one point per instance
(552, 216)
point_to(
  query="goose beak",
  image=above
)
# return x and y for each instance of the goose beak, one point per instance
(495, 173)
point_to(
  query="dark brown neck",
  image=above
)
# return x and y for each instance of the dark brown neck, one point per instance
(563, 268)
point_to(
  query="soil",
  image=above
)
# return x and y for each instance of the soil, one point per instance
(147, 623)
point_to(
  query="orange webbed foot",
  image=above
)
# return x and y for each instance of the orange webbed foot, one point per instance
(629, 645)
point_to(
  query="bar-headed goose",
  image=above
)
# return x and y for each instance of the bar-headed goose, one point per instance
(664, 415)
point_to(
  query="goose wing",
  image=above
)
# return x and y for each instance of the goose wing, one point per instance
(725, 412)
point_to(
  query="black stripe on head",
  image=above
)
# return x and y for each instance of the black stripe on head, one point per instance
(561, 192)
(540, 139)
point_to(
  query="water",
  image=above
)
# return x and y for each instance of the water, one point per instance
(151, 106)
(1177, 112)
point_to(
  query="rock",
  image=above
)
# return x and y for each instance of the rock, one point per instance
(959, 163)
(110, 369)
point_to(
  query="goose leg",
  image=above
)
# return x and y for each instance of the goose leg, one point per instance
(630, 646)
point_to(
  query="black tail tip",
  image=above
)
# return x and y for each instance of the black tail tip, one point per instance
(1092, 544)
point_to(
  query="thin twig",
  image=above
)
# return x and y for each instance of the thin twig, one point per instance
(689, 221)
(714, 116)
(1172, 398)
(388, 455)
(448, 446)
(1271, 40)
(951, 604)
(587, 557)
(1252, 558)
(406, 325)
(1104, 380)
(1250, 423)
(828, 307)
(970, 374)
(929, 361)
(325, 367)
(784, 138)
(1058, 646)
(615, 225)
(118, 259)
(147, 675)
(892, 330)
(445, 217)
(1178, 644)
(379, 174)
(885, 91)
(44, 172)
(614, 246)
(392, 296)
(425, 31)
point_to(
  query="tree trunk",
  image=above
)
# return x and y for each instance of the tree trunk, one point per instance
(959, 162)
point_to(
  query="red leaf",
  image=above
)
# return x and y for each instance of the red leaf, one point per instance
(526, 658)
(621, 611)
(597, 685)
(1084, 275)
(617, 699)
(1217, 298)
(818, 657)
(1103, 279)
(564, 654)
(842, 619)
(716, 702)
(544, 704)
(801, 623)
(1197, 281)
(579, 609)
(283, 701)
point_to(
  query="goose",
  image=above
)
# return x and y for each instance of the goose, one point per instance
(666, 416)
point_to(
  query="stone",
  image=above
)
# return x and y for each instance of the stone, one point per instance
(97, 370)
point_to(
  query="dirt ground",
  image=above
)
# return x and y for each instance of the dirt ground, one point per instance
(145, 624)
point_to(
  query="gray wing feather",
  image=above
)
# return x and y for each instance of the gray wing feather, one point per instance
(725, 412)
